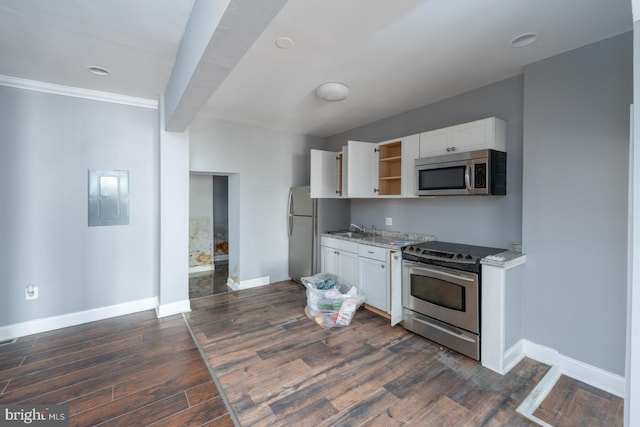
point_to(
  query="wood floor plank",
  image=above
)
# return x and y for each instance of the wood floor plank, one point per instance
(197, 415)
(90, 400)
(45, 363)
(202, 392)
(139, 416)
(142, 398)
(573, 402)
(131, 370)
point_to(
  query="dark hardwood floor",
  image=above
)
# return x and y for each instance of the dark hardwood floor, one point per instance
(275, 367)
(131, 370)
(574, 403)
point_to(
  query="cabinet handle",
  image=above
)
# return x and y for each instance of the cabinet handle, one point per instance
(453, 148)
(382, 266)
(376, 190)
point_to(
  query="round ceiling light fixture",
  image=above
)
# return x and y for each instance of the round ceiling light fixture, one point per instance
(524, 39)
(332, 91)
(284, 42)
(100, 71)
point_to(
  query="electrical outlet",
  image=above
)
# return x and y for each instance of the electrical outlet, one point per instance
(31, 292)
(388, 221)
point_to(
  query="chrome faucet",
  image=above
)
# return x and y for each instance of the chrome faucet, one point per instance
(358, 228)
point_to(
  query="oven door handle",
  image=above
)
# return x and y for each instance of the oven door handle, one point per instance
(445, 330)
(419, 267)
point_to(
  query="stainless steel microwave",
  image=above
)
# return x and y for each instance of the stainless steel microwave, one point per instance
(481, 172)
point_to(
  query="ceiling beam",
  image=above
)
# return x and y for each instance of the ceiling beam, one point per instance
(217, 36)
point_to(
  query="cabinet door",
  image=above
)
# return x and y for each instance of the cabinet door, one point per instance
(396, 288)
(482, 134)
(374, 283)
(469, 136)
(349, 268)
(434, 143)
(325, 174)
(329, 261)
(410, 152)
(360, 174)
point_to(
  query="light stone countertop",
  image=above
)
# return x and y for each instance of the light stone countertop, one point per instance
(506, 259)
(393, 240)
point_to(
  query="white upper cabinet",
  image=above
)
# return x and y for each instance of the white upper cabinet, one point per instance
(489, 133)
(387, 169)
(434, 143)
(410, 152)
(360, 169)
(326, 174)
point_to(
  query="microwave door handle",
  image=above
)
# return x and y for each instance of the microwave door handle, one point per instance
(467, 177)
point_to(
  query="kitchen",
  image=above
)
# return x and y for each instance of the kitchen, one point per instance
(547, 110)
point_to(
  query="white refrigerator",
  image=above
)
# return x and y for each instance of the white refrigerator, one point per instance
(307, 219)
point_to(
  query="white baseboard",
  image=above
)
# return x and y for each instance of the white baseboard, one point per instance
(170, 309)
(201, 268)
(246, 284)
(513, 356)
(65, 320)
(531, 403)
(594, 376)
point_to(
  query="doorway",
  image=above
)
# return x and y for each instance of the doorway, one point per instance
(208, 234)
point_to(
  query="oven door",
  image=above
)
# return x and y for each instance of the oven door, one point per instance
(448, 295)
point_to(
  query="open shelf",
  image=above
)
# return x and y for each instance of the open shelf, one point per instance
(390, 169)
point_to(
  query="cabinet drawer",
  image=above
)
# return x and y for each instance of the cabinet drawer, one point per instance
(342, 245)
(373, 252)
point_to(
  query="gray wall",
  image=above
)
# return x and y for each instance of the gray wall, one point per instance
(576, 148)
(567, 142)
(47, 144)
(489, 221)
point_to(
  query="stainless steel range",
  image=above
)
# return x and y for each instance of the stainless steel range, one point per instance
(441, 288)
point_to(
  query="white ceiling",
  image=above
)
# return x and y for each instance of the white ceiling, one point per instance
(394, 55)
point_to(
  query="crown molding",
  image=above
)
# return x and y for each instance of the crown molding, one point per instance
(95, 95)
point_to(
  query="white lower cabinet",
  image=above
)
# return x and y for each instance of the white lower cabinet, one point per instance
(339, 257)
(376, 271)
(374, 276)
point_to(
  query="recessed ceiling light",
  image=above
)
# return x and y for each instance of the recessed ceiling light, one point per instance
(284, 42)
(332, 91)
(524, 39)
(100, 71)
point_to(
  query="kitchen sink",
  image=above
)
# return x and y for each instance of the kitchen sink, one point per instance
(353, 234)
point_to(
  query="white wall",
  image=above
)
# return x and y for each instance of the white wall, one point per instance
(262, 165)
(47, 144)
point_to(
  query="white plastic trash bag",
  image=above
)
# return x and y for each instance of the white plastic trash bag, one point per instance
(330, 302)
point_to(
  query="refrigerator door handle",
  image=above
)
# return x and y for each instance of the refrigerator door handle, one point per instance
(290, 213)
